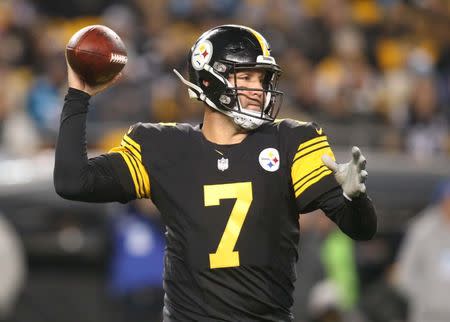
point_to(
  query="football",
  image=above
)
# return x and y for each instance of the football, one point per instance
(96, 53)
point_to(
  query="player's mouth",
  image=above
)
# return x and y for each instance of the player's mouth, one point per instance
(254, 105)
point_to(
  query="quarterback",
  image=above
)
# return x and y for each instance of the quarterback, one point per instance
(230, 190)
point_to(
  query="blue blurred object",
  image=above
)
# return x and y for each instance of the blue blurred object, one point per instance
(224, 8)
(44, 104)
(389, 3)
(138, 252)
(181, 8)
(442, 191)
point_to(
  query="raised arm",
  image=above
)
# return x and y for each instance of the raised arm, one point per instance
(75, 176)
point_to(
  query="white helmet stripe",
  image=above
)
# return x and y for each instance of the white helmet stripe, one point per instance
(196, 92)
(188, 83)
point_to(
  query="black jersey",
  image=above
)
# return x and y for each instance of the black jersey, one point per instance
(231, 213)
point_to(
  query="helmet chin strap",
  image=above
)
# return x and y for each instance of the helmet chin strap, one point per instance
(195, 91)
(247, 122)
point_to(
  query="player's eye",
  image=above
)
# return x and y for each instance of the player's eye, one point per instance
(243, 77)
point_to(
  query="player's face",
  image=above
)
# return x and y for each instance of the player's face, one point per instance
(252, 98)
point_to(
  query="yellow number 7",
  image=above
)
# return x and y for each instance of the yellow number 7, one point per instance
(242, 192)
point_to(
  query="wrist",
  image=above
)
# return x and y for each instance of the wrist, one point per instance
(78, 93)
(357, 199)
(75, 102)
(346, 196)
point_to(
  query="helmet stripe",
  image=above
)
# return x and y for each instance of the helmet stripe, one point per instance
(261, 40)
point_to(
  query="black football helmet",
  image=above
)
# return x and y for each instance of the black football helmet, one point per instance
(223, 51)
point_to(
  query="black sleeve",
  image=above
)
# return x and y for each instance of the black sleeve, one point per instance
(356, 218)
(75, 176)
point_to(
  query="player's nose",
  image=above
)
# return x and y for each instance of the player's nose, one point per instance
(256, 88)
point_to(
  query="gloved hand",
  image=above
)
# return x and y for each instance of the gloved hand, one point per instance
(351, 175)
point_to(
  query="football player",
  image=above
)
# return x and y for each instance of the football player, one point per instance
(230, 189)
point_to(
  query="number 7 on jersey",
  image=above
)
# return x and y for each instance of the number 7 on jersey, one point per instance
(225, 256)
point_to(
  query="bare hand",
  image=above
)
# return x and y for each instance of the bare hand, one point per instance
(76, 82)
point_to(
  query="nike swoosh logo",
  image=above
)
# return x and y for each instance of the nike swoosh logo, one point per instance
(319, 131)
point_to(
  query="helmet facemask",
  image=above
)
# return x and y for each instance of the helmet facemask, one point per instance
(270, 102)
(222, 52)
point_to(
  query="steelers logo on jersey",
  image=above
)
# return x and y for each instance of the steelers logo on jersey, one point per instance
(269, 159)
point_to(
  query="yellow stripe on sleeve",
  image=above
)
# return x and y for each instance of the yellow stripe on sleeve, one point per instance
(135, 164)
(311, 182)
(299, 183)
(137, 171)
(132, 142)
(131, 169)
(145, 179)
(132, 150)
(308, 167)
(310, 145)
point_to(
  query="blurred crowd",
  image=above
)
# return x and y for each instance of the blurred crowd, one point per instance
(379, 68)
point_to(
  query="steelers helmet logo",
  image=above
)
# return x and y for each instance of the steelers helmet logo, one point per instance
(202, 54)
(269, 159)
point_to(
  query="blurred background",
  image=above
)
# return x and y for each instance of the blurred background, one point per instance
(373, 73)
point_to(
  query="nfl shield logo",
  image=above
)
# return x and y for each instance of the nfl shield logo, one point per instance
(222, 164)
